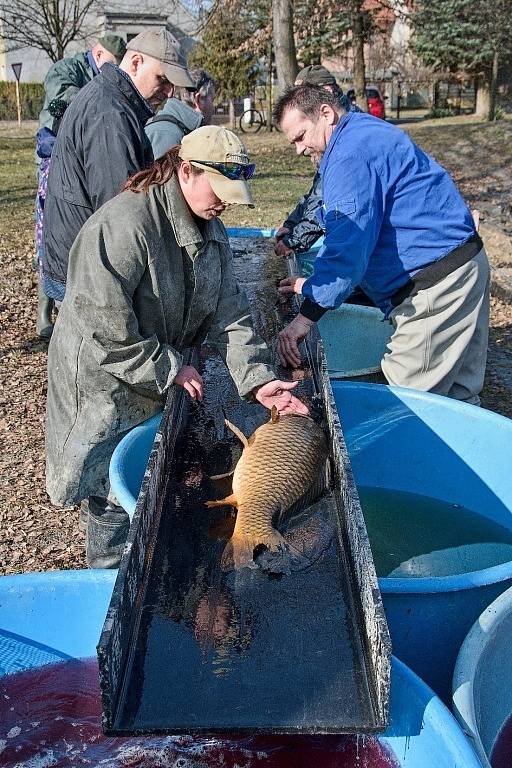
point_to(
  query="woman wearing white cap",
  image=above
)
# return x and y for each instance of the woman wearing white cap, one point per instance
(150, 274)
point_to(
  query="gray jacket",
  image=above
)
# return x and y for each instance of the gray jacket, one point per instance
(168, 127)
(144, 284)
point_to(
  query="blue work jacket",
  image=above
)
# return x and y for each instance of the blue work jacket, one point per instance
(388, 211)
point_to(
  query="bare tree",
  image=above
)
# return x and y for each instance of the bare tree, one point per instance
(48, 25)
(284, 42)
(355, 9)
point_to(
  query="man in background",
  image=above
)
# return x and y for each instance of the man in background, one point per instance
(179, 116)
(63, 81)
(101, 142)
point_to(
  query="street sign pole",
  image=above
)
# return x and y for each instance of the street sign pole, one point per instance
(16, 68)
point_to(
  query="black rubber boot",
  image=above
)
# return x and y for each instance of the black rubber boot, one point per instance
(44, 324)
(83, 515)
(107, 530)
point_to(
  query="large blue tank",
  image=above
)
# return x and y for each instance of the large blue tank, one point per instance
(53, 616)
(424, 444)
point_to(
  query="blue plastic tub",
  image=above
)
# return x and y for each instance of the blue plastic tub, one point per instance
(355, 339)
(128, 462)
(482, 682)
(52, 616)
(412, 441)
(354, 336)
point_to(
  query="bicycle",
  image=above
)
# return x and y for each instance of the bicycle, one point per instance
(252, 120)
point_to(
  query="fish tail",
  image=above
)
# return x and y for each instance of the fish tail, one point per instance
(243, 549)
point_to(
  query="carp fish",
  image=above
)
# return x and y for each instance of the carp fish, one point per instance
(281, 462)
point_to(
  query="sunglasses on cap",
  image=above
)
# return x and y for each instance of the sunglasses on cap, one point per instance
(233, 171)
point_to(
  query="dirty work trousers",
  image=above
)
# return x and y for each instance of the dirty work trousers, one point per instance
(440, 335)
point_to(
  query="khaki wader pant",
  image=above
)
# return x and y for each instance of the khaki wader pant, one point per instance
(440, 339)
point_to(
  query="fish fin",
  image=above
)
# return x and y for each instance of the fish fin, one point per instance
(274, 415)
(231, 500)
(221, 477)
(236, 432)
(243, 550)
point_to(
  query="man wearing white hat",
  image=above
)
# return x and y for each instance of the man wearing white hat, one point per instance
(101, 142)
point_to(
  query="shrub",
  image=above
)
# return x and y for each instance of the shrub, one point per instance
(441, 112)
(31, 98)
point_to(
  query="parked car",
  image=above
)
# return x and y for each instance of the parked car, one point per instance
(375, 101)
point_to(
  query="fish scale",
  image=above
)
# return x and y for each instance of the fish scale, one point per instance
(280, 462)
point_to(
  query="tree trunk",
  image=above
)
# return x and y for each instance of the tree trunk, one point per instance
(269, 85)
(284, 42)
(358, 53)
(493, 91)
(435, 95)
(232, 122)
(483, 95)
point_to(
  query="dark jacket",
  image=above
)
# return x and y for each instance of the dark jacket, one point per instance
(302, 221)
(172, 123)
(101, 142)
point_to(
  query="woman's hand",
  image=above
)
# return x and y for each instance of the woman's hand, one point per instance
(188, 378)
(291, 285)
(278, 393)
(289, 339)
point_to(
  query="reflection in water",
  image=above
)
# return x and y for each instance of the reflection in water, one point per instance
(50, 716)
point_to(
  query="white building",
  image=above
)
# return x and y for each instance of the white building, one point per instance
(126, 18)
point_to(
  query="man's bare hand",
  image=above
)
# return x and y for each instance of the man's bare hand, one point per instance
(291, 285)
(289, 339)
(278, 393)
(188, 378)
(280, 248)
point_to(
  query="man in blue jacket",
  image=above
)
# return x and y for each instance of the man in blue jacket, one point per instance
(395, 224)
(302, 229)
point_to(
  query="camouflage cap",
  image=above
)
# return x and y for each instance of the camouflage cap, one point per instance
(113, 44)
(315, 74)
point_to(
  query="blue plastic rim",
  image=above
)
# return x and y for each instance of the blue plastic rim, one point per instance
(250, 232)
(65, 610)
(406, 440)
